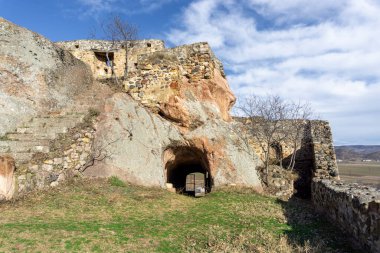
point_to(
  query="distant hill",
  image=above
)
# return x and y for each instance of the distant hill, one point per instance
(358, 152)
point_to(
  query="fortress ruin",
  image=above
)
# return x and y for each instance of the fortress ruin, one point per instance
(169, 117)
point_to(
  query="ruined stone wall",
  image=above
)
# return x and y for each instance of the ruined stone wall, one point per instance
(67, 158)
(325, 165)
(124, 55)
(354, 208)
(87, 45)
(315, 156)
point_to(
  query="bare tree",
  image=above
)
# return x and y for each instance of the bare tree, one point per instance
(265, 120)
(120, 33)
(299, 116)
(273, 121)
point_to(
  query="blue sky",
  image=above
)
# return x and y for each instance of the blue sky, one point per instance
(322, 51)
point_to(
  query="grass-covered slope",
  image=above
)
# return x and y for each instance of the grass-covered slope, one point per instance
(109, 216)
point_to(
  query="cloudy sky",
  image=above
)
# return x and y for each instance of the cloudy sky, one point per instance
(322, 51)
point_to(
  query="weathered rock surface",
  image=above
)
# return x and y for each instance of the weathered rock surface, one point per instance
(35, 76)
(7, 181)
(185, 84)
(181, 120)
(137, 143)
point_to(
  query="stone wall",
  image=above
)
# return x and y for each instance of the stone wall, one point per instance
(87, 45)
(68, 156)
(354, 208)
(314, 156)
(123, 56)
(325, 165)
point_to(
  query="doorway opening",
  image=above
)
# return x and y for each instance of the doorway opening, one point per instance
(181, 163)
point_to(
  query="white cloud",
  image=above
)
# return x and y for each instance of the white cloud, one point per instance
(287, 11)
(322, 51)
(102, 7)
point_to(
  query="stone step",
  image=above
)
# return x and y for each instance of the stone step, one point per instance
(24, 146)
(31, 137)
(19, 157)
(47, 130)
(64, 122)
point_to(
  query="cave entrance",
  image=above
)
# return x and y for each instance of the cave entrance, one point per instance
(187, 171)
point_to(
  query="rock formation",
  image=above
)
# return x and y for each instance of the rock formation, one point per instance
(142, 147)
(7, 184)
(168, 116)
(172, 117)
(36, 76)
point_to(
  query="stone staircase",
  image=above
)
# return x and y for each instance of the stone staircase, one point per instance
(36, 135)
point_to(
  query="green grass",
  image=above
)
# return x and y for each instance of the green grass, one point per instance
(110, 216)
(115, 181)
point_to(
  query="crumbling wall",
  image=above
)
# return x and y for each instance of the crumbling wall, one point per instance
(68, 156)
(124, 55)
(314, 157)
(354, 208)
(325, 165)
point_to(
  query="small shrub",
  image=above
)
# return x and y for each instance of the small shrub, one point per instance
(88, 119)
(93, 113)
(4, 138)
(115, 181)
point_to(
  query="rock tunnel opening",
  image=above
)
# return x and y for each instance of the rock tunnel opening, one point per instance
(180, 162)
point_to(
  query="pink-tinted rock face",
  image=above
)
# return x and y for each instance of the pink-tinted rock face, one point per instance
(7, 167)
(184, 84)
(146, 149)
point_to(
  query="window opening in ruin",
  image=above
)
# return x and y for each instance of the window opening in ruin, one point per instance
(102, 56)
(76, 46)
(275, 153)
(149, 44)
(105, 63)
(187, 171)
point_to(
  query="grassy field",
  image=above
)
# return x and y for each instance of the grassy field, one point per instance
(109, 216)
(360, 172)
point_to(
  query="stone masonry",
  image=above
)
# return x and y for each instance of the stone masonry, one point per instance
(123, 55)
(46, 151)
(315, 157)
(354, 208)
